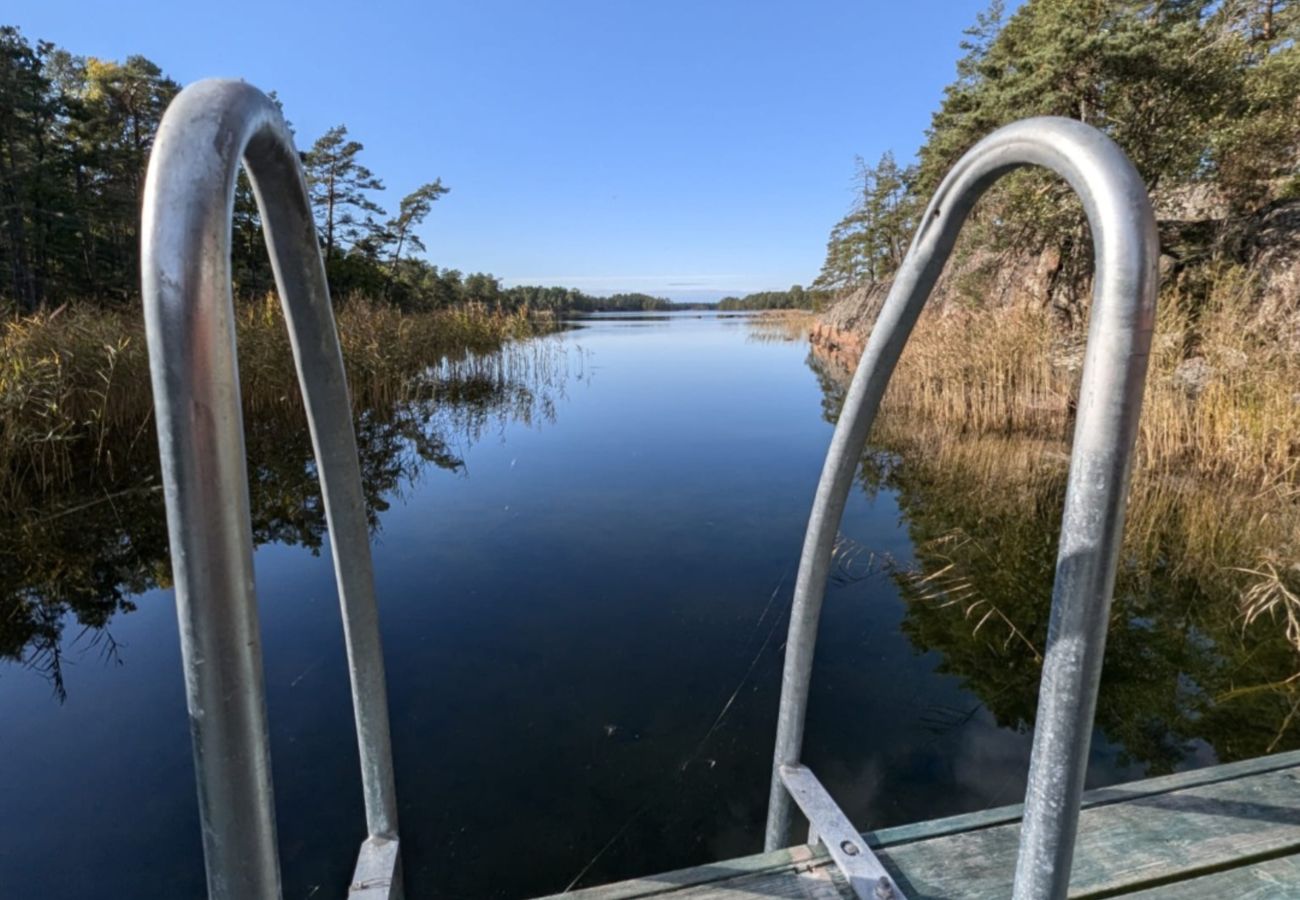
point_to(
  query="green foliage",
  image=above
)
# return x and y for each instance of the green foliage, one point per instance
(558, 299)
(75, 135)
(411, 212)
(340, 192)
(868, 244)
(1197, 92)
(795, 298)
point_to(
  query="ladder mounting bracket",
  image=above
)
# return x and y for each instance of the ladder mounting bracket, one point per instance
(862, 868)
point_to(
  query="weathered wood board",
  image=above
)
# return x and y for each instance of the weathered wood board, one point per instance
(1225, 831)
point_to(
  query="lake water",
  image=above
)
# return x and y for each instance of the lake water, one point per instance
(584, 568)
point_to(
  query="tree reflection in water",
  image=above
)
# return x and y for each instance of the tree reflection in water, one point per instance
(76, 554)
(1182, 675)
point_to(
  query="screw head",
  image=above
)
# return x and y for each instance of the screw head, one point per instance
(884, 889)
(849, 848)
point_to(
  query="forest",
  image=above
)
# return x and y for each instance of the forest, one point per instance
(1202, 95)
(797, 297)
(75, 135)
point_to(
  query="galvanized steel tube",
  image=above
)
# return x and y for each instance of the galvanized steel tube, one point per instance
(189, 319)
(1123, 310)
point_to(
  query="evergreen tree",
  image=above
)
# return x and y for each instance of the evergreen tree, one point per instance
(26, 109)
(120, 106)
(75, 136)
(868, 244)
(340, 187)
(1197, 92)
(411, 212)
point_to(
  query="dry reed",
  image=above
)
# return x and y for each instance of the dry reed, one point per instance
(781, 325)
(1216, 485)
(1229, 411)
(70, 377)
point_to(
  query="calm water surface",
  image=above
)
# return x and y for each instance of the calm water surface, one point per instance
(584, 581)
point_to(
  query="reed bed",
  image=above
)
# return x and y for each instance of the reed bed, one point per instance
(1202, 642)
(781, 325)
(1221, 402)
(1215, 495)
(71, 377)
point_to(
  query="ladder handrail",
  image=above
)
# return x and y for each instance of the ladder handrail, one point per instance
(189, 320)
(1124, 291)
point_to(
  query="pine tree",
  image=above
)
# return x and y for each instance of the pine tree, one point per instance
(411, 212)
(25, 109)
(339, 186)
(868, 244)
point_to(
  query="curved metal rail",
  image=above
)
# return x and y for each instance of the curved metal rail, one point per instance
(1124, 290)
(189, 319)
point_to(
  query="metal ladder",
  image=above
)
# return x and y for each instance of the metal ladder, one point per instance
(189, 324)
(1114, 371)
(189, 319)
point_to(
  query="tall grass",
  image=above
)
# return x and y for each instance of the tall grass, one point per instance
(70, 377)
(780, 325)
(1216, 484)
(83, 530)
(1200, 647)
(1222, 398)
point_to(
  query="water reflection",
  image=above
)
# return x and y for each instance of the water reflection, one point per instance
(1183, 682)
(84, 548)
(583, 628)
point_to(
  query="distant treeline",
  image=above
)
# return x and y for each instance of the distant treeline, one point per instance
(557, 299)
(75, 136)
(795, 298)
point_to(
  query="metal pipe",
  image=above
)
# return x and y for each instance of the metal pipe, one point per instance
(189, 321)
(1123, 310)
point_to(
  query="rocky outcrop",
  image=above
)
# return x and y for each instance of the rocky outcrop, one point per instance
(1187, 221)
(841, 331)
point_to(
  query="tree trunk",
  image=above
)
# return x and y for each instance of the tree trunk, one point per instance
(329, 219)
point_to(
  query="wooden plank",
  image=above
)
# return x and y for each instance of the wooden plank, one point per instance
(1161, 784)
(763, 862)
(1125, 845)
(790, 860)
(822, 882)
(1130, 835)
(1271, 879)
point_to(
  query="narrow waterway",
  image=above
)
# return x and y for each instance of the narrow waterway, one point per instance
(585, 555)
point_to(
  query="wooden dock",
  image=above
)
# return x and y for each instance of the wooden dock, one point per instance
(1228, 832)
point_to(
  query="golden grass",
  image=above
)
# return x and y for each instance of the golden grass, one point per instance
(1231, 413)
(1197, 638)
(1216, 484)
(70, 377)
(984, 372)
(779, 325)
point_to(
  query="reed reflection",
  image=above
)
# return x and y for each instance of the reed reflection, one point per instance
(82, 546)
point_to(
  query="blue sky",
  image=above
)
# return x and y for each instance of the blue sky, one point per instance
(688, 149)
